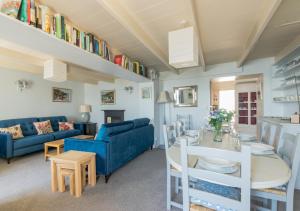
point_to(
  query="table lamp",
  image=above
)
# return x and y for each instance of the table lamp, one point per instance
(85, 112)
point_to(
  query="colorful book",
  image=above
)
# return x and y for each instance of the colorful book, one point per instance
(136, 67)
(58, 25)
(82, 40)
(87, 42)
(32, 13)
(38, 15)
(53, 31)
(23, 11)
(96, 46)
(63, 29)
(28, 11)
(68, 32)
(118, 60)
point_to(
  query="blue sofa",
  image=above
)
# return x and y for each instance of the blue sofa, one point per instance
(31, 142)
(116, 144)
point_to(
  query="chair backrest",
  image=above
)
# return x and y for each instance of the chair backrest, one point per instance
(241, 181)
(289, 150)
(265, 133)
(169, 135)
(186, 119)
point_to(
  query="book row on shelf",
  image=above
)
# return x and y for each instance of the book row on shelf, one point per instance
(41, 16)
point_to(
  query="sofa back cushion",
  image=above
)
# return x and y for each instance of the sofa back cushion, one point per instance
(140, 122)
(110, 129)
(54, 121)
(26, 125)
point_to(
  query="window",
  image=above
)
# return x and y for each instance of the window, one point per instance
(227, 99)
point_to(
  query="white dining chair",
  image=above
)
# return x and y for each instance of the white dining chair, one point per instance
(214, 190)
(289, 150)
(270, 134)
(169, 139)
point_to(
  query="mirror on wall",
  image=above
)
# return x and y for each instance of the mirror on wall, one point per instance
(185, 96)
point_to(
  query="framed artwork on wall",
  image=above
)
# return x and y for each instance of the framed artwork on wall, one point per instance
(108, 97)
(146, 93)
(61, 95)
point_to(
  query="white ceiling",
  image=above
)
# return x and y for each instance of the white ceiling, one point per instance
(226, 27)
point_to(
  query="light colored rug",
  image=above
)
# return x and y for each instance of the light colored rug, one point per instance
(138, 186)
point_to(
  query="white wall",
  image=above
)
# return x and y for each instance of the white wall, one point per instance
(133, 104)
(202, 79)
(37, 100)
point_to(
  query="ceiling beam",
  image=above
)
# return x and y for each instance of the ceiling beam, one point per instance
(195, 23)
(117, 11)
(258, 30)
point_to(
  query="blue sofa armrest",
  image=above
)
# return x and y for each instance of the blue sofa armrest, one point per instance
(101, 149)
(6, 145)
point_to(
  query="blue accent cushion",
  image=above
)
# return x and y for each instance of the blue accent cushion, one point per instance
(54, 121)
(65, 134)
(27, 126)
(32, 140)
(225, 191)
(140, 122)
(107, 130)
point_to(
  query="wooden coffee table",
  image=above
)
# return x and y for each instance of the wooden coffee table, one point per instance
(58, 144)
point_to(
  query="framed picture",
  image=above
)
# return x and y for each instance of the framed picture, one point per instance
(61, 95)
(146, 93)
(108, 97)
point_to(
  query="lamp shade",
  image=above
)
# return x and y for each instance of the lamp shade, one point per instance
(85, 108)
(164, 97)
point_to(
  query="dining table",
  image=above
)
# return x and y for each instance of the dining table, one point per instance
(267, 171)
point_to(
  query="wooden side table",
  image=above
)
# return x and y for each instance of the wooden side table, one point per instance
(77, 160)
(58, 144)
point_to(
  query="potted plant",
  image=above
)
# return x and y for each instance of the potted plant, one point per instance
(216, 119)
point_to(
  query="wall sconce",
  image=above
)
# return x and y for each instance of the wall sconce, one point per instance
(129, 89)
(22, 84)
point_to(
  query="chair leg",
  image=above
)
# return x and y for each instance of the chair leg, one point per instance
(61, 181)
(274, 205)
(83, 176)
(107, 178)
(168, 187)
(8, 160)
(72, 185)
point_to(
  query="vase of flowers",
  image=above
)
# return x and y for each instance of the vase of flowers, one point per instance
(216, 119)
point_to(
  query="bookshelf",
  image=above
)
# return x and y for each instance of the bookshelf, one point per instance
(31, 38)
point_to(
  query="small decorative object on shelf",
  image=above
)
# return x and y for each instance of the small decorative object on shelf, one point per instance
(216, 119)
(295, 119)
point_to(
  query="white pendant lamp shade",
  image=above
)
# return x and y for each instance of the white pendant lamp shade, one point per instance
(85, 108)
(55, 70)
(164, 97)
(183, 48)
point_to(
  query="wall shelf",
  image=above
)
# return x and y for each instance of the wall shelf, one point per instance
(28, 37)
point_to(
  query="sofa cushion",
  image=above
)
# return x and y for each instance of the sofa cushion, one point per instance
(65, 126)
(140, 122)
(43, 127)
(65, 134)
(32, 140)
(107, 130)
(54, 121)
(15, 131)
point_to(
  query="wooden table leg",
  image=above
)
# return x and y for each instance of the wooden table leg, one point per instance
(57, 150)
(93, 171)
(89, 173)
(78, 185)
(53, 176)
(45, 151)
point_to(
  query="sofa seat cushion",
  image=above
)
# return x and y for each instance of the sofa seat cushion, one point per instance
(140, 122)
(107, 130)
(32, 140)
(65, 134)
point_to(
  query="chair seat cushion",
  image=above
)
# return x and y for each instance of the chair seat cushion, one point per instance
(65, 134)
(225, 191)
(32, 140)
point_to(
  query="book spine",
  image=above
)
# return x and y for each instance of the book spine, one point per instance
(54, 25)
(32, 13)
(77, 37)
(63, 28)
(28, 12)
(23, 11)
(38, 16)
(87, 39)
(58, 25)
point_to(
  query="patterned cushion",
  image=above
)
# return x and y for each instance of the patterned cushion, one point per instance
(65, 126)
(225, 191)
(43, 127)
(15, 131)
